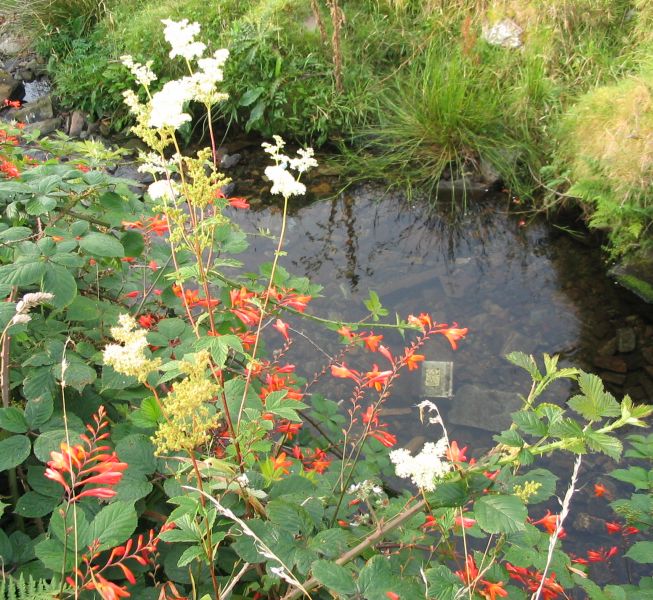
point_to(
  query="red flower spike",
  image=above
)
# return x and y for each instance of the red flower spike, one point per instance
(387, 439)
(455, 454)
(612, 527)
(386, 354)
(470, 573)
(392, 596)
(282, 328)
(290, 430)
(599, 490)
(372, 342)
(492, 590)
(239, 203)
(413, 360)
(344, 372)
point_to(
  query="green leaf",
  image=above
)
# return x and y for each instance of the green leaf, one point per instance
(602, 442)
(148, 416)
(189, 555)
(133, 243)
(78, 375)
(443, 584)
(376, 578)
(544, 477)
(33, 504)
(641, 478)
(38, 411)
(13, 451)
(58, 281)
(114, 524)
(12, 419)
(133, 487)
(595, 403)
(103, 245)
(277, 404)
(509, 437)
(138, 452)
(526, 362)
(291, 517)
(171, 328)
(83, 309)
(50, 441)
(530, 423)
(373, 304)
(333, 577)
(641, 552)
(39, 383)
(41, 484)
(500, 514)
(219, 347)
(330, 542)
(21, 274)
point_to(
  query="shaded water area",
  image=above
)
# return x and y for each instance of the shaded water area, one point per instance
(516, 286)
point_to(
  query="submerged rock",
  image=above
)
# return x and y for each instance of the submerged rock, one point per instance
(484, 408)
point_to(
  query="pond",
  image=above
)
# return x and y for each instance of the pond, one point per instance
(515, 285)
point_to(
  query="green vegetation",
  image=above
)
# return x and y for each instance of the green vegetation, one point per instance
(423, 93)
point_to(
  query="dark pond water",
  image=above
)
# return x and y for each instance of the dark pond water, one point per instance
(516, 286)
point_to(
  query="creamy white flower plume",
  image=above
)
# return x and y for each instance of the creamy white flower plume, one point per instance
(181, 37)
(425, 468)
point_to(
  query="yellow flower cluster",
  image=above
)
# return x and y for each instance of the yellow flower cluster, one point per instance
(524, 492)
(188, 410)
(129, 358)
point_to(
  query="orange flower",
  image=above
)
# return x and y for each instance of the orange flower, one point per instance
(471, 571)
(387, 439)
(377, 379)
(599, 490)
(282, 328)
(455, 454)
(290, 430)
(550, 523)
(413, 360)
(453, 334)
(280, 462)
(492, 590)
(344, 372)
(372, 342)
(239, 203)
(392, 596)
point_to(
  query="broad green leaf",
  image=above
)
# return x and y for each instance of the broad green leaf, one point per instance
(13, 234)
(641, 478)
(58, 281)
(641, 552)
(148, 416)
(133, 243)
(83, 309)
(190, 554)
(510, 437)
(376, 579)
(41, 484)
(114, 524)
(544, 477)
(291, 517)
(334, 577)
(500, 514)
(32, 504)
(50, 441)
(138, 452)
(39, 383)
(51, 553)
(219, 347)
(21, 274)
(38, 411)
(171, 328)
(133, 487)
(13, 451)
(13, 420)
(330, 542)
(103, 245)
(78, 375)
(443, 583)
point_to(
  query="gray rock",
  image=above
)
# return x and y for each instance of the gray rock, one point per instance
(77, 122)
(626, 339)
(505, 33)
(36, 89)
(229, 161)
(608, 348)
(483, 408)
(39, 110)
(517, 342)
(45, 127)
(131, 171)
(10, 45)
(229, 189)
(9, 87)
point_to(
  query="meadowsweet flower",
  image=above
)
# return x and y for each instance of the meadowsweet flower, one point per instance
(190, 415)
(283, 182)
(424, 468)
(167, 105)
(305, 160)
(181, 37)
(142, 73)
(154, 163)
(129, 358)
(164, 188)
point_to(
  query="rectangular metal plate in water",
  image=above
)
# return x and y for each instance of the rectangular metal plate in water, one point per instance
(437, 379)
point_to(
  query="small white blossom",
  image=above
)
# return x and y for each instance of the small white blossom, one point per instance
(181, 37)
(154, 163)
(304, 162)
(163, 188)
(283, 182)
(424, 468)
(142, 73)
(168, 104)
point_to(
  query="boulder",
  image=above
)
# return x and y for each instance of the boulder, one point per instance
(10, 88)
(77, 123)
(45, 127)
(32, 112)
(483, 408)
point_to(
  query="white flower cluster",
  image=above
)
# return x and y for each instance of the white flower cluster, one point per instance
(155, 164)
(164, 188)
(283, 182)
(129, 358)
(166, 107)
(424, 468)
(181, 37)
(142, 73)
(27, 303)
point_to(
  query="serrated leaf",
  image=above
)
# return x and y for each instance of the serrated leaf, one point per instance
(58, 281)
(33, 505)
(330, 542)
(149, 415)
(114, 524)
(78, 375)
(333, 577)
(219, 347)
(526, 362)
(641, 478)
(500, 514)
(509, 437)
(594, 403)
(21, 274)
(602, 442)
(38, 411)
(530, 423)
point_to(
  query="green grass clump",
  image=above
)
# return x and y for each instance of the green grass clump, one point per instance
(606, 140)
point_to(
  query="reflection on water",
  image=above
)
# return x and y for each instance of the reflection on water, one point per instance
(515, 286)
